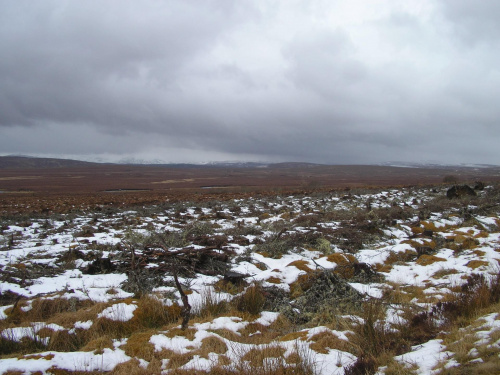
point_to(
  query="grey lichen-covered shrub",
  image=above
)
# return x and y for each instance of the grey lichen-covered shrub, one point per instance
(324, 246)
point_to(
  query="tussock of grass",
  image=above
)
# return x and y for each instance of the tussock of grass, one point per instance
(301, 265)
(228, 287)
(299, 335)
(273, 280)
(252, 301)
(138, 345)
(132, 367)
(212, 344)
(324, 341)
(177, 360)
(113, 328)
(417, 230)
(187, 333)
(394, 367)
(421, 243)
(97, 345)
(425, 260)
(477, 263)
(302, 284)
(256, 357)
(45, 309)
(341, 259)
(212, 305)
(65, 341)
(444, 272)
(152, 313)
(365, 364)
(476, 294)
(473, 358)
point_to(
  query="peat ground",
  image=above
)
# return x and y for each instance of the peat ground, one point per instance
(43, 187)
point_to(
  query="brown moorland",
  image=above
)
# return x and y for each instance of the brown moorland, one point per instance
(53, 185)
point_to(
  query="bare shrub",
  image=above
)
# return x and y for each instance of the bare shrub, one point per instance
(364, 365)
(477, 293)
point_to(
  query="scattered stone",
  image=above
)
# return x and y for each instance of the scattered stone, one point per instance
(364, 273)
(479, 185)
(100, 265)
(459, 191)
(428, 233)
(235, 278)
(421, 250)
(325, 292)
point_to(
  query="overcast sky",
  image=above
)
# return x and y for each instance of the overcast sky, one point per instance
(327, 81)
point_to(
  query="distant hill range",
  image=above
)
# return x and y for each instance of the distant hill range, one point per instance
(28, 162)
(21, 174)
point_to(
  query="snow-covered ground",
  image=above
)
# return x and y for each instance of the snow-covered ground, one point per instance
(375, 242)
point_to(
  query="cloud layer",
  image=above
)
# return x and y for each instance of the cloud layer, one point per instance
(320, 81)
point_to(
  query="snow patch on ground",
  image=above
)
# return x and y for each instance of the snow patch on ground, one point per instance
(121, 312)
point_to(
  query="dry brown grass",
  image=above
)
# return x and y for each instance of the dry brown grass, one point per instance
(57, 371)
(256, 357)
(228, 287)
(301, 265)
(425, 260)
(477, 263)
(303, 283)
(252, 301)
(395, 293)
(394, 367)
(396, 258)
(423, 242)
(152, 313)
(417, 230)
(324, 341)
(177, 360)
(473, 357)
(132, 367)
(479, 253)
(273, 280)
(187, 333)
(463, 242)
(138, 345)
(116, 329)
(212, 344)
(269, 360)
(97, 345)
(52, 310)
(444, 272)
(212, 305)
(429, 225)
(299, 335)
(65, 341)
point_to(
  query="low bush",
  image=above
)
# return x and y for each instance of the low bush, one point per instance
(477, 293)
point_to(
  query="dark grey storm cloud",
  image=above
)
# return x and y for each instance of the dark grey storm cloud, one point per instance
(320, 81)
